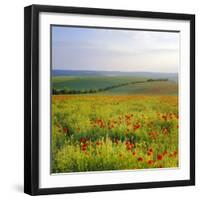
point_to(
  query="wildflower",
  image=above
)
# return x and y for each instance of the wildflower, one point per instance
(164, 117)
(65, 130)
(151, 150)
(129, 145)
(128, 117)
(134, 153)
(153, 134)
(160, 157)
(149, 153)
(137, 126)
(150, 162)
(165, 152)
(84, 147)
(127, 142)
(83, 140)
(140, 159)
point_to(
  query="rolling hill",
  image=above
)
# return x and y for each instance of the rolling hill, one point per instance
(115, 83)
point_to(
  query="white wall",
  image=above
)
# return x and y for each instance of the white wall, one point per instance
(11, 100)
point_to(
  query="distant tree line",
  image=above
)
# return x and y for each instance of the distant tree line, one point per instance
(89, 91)
(161, 79)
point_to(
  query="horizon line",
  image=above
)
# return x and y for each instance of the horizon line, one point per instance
(114, 71)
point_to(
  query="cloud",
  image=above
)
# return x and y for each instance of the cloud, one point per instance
(109, 49)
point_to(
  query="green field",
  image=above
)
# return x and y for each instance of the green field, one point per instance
(147, 88)
(87, 83)
(133, 126)
(79, 83)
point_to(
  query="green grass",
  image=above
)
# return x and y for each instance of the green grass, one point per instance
(147, 88)
(85, 83)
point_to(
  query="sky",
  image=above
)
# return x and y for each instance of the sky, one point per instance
(78, 48)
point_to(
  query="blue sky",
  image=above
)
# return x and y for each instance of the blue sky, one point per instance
(114, 50)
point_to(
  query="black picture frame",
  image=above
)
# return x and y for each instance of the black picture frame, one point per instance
(31, 98)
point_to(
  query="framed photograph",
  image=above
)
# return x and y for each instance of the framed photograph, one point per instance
(109, 99)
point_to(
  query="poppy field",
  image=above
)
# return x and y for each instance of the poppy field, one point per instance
(92, 132)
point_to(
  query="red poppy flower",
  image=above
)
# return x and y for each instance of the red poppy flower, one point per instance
(140, 159)
(127, 142)
(83, 140)
(151, 150)
(128, 148)
(84, 145)
(137, 126)
(149, 153)
(150, 162)
(160, 157)
(83, 148)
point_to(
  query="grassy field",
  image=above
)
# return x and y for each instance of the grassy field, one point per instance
(78, 83)
(86, 83)
(131, 127)
(147, 88)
